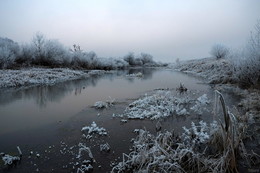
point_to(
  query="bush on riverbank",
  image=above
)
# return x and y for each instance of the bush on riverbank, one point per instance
(246, 63)
(42, 52)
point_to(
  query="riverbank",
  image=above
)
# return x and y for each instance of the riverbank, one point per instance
(41, 76)
(219, 72)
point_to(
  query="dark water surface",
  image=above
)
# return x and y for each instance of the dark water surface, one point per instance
(47, 119)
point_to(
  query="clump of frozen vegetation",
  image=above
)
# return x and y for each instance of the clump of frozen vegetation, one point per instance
(93, 129)
(38, 76)
(86, 164)
(10, 160)
(102, 104)
(199, 134)
(167, 152)
(204, 147)
(139, 75)
(161, 104)
(104, 147)
(182, 88)
(82, 148)
(201, 104)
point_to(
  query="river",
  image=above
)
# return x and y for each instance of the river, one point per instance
(48, 119)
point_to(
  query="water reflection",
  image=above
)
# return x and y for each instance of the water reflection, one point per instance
(24, 109)
(44, 94)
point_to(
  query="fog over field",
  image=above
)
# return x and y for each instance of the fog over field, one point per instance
(166, 29)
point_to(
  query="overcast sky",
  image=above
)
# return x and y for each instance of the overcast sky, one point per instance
(167, 29)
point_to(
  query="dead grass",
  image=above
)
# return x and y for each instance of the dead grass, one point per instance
(204, 147)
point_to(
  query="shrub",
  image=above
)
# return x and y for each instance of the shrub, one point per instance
(51, 53)
(130, 58)
(147, 58)
(219, 51)
(246, 63)
(25, 56)
(8, 51)
(143, 59)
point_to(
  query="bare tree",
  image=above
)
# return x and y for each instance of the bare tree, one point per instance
(38, 42)
(219, 51)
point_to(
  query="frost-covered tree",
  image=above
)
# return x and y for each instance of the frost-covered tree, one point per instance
(140, 60)
(219, 51)
(146, 58)
(130, 58)
(246, 62)
(8, 52)
(38, 42)
(49, 53)
(25, 56)
(56, 53)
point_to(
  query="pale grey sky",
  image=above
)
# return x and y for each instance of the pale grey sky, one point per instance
(167, 29)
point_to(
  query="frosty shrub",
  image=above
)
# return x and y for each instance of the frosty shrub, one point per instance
(25, 56)
(147, 60)
(51, 53)
(81, 59)
(8, 51)
(219, 51)
(143, 59)
(55, 54)
(246, 63)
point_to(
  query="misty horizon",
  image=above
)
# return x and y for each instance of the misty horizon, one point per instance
(167, 30)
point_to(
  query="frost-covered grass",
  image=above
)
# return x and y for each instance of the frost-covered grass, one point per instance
(10, 160)
(215, 71)
(41, 76)
(104, 104)
(164, 103)
(93, 129)
(204, 147)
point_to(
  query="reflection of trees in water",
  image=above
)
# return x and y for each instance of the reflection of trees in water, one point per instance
(45, 94)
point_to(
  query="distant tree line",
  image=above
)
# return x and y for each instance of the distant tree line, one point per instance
(42, 52)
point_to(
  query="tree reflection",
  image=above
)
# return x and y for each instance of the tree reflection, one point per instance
(42, 95)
